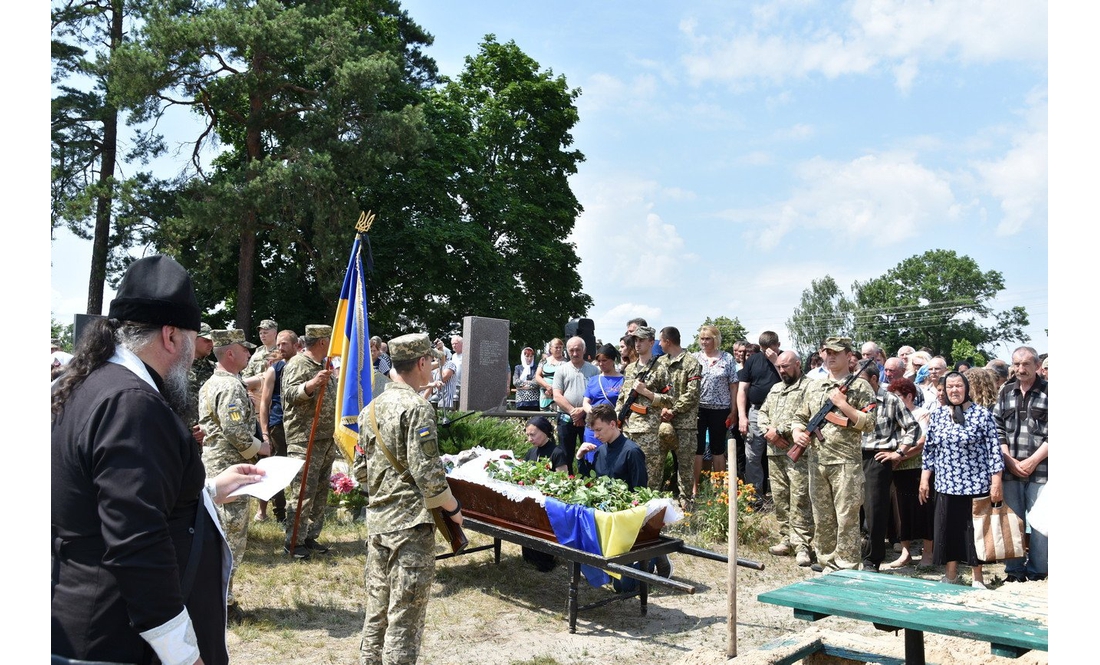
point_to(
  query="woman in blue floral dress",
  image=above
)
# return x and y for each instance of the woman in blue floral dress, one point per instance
(963, 455)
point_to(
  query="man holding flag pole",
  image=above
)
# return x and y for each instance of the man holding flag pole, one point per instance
(309, 397)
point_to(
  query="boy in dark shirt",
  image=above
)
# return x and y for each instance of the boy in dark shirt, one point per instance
(619, 457)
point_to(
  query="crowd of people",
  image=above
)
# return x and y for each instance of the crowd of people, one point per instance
(146, 538)
(908, 443)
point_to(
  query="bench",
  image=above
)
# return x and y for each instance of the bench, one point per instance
(1013, 625)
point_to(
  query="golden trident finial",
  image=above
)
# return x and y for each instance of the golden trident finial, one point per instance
(366, 219)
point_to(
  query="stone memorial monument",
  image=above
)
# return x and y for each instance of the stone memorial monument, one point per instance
(486, 373)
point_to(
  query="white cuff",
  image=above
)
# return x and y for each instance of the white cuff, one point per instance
(174, 641)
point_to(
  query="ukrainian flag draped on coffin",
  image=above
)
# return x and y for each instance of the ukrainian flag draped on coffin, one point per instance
(351, 342)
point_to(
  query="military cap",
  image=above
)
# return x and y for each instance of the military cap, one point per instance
(411, 347)
(222, 338)
(204, 330)
(268, 324)
(644, 332)
(157, 290)
(666, 434)
(838, 344)
(317, 331)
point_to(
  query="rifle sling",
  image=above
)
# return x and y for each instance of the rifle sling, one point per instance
(397, 465)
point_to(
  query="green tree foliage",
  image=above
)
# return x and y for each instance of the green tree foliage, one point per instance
(934, 300)
(63, 333)
(731, 329)
(88, 196)
(963, 351)
(511, 181)
(313, 104)
(823, 312)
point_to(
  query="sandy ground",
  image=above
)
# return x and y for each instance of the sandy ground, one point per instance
(482, 614)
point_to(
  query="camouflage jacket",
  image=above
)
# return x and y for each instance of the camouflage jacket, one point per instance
(227, 417)
(406, 422)
(779, 408)
(658, 381)
(841, 444)
(685, 378)
(298, 407)
(257, 363)
(201, 371)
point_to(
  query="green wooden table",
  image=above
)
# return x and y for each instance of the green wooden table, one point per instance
(1012, 624)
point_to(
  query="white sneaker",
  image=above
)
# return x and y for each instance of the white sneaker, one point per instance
(949, 580)
(978, 585)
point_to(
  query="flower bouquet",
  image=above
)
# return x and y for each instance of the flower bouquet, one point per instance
(345, 495)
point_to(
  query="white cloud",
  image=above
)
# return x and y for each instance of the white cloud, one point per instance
(603, 91)
(892, 36)
(886, 198)
(1019, 181)
(1018, 178)
(628, 253)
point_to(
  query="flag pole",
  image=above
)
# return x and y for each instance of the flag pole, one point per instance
(362, 226)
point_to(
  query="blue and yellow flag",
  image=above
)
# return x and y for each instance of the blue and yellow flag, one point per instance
(351, 342)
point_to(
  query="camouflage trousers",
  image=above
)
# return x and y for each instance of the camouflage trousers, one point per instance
(790, 484)
(654, 455)
(686, 443)
(400, 569)
(315, 498)
(836, 494)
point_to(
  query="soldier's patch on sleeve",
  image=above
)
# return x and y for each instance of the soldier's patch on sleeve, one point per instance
(428, 444)
(234, 412)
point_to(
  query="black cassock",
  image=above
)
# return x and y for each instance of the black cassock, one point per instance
(126, 481)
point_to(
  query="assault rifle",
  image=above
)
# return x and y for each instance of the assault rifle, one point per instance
(628, 404)
(827, 412)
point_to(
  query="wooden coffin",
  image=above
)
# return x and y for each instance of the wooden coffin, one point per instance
(527, 516)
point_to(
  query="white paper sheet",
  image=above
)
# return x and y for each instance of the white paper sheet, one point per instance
(280, 471)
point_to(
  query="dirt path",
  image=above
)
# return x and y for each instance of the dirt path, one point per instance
(482, 614)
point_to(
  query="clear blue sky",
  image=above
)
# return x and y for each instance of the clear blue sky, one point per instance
(735, 151)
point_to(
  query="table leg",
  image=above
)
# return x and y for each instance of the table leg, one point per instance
(574, 581)
(914, 647)
(643, 596)
(496, 550)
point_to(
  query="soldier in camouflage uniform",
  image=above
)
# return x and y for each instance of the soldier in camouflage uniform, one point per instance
(227, 417)
(685, 376)
(652, 397)
(303, 377)
(201, 371)
(789, 480)
(836, 464)
(258, 362)
(401, 544)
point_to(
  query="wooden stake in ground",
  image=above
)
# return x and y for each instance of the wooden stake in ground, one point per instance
(731, 585)
(305, 467)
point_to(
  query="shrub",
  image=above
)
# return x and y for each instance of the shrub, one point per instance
(711, 516)
(462, 431)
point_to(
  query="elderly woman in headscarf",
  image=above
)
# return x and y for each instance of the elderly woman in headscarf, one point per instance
(523, 380)
(963, 453)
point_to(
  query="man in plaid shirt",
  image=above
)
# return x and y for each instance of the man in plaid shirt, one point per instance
(895, 434)
(1021, 416)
